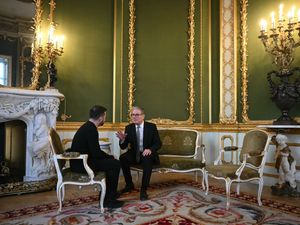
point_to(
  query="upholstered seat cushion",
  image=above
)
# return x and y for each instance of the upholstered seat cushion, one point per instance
(177, 163)
(68, 175)
(229, 171)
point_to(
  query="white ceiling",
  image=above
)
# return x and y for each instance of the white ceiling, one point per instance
(17, 9)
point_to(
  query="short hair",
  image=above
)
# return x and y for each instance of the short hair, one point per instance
(138, 108)
(96, 111)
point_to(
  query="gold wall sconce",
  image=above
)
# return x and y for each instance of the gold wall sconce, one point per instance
(45, 52)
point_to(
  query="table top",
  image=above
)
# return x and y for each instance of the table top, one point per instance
(280, 126)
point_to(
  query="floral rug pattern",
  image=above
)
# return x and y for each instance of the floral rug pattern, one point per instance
(178, 203)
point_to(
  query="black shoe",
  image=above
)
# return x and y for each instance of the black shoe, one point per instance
(113, 204)
(143, 195)
(127, 189)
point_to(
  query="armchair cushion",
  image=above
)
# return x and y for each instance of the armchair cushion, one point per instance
(68, 176)
(230, 170)
(180, 163)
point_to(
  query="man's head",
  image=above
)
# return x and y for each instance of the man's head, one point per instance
(98, 115)
(137, 115)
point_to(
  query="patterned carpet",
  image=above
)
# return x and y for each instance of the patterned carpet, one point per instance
(171, 203)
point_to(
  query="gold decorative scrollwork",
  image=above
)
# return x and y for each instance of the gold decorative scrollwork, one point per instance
(131, 31)
(191, 66)
(244, 57)
(37, 54)
(244, 65)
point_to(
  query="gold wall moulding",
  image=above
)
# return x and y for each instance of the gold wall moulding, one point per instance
(244, 66)
(216, 127)
(191, 66)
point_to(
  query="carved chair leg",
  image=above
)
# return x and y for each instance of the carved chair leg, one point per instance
(260, 187)
(238, 188)
(228, 183)
(203, 186)
(206, 181)
(60, 198)
(102, 195)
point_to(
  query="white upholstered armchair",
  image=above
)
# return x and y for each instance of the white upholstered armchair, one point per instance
(250, 166)
(66, 176)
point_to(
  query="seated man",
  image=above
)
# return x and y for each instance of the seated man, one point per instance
(142, 140)
(86, 141)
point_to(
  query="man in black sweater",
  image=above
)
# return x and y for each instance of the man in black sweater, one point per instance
(86, 141)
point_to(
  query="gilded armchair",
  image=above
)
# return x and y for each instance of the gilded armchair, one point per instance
(249, 167)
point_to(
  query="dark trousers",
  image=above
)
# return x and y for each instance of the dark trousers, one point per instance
(128, 159)
(111, 167)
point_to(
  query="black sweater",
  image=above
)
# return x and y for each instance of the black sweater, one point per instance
(86, 141)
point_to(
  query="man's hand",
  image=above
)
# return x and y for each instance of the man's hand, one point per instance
(120, 134)
(147, 152)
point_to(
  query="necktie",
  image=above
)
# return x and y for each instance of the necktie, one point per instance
(138, 141)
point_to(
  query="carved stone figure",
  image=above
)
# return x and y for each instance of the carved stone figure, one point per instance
(42, 164)
(286, 167)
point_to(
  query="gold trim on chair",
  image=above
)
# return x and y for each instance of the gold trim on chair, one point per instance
(191, 66)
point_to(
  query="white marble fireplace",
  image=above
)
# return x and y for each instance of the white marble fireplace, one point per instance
(38, 109)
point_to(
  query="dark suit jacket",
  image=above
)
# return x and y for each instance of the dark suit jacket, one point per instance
(151, 139)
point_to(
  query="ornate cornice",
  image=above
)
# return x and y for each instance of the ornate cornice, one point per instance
(16, 28)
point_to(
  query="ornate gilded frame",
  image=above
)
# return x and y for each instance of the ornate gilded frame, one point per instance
(191, 66)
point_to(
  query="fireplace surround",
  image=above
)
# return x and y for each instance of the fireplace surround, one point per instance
(38, 109)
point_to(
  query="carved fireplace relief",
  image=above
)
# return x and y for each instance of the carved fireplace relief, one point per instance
(38, 110)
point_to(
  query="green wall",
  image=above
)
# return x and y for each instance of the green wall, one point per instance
(261, 106)
(93, 71)
(85, 70)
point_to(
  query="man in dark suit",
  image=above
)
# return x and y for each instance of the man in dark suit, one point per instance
(86, 141)
(142, 140)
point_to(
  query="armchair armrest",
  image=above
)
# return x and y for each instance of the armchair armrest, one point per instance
(219, 160)
(83, 157)
(246, 164)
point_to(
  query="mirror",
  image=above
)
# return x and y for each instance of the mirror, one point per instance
(16, 38)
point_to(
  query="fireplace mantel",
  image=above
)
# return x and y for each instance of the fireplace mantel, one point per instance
(38, 109)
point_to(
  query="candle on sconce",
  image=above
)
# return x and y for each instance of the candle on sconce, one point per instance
(291, 14)
(272, 20)
(32, 49)
(51, 34)
(263, 25)
(62, 39)
(280, 18)
(39, 39)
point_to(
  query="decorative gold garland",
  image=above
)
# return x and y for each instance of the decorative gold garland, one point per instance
(244, 57)
(191, 66)
(131, 77)
(37, 52)
(244, 67)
